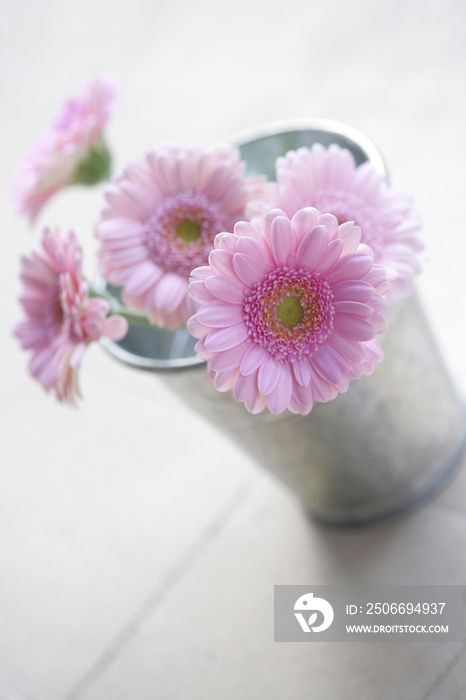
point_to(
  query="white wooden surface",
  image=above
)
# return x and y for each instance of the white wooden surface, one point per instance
(138, 547)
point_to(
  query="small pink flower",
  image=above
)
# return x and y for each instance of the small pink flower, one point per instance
(60, 318)
(70, 151)
(288, 314)
(161, 217)
(329, 180)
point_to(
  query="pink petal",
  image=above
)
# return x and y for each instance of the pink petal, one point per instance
(169, 292)
(367, 368)
(228, 359)
(350, 348)
(40, 360)
(268, 375)
(252, 358)
(201, 350)
(115, 327)
(190, 306)
(167, 176)
(224, 381)
(185, 170)
(256, 404)
(225, 338)
(199, 292)
(233, 199)
(280, 396)
(221, 262)
(200, 273)
(374, 352)
(282, 240)
(323, 391)
(376, 276)
(365, 249)
(219, 314)
(352, 290)
(356, 371)
(304, 220)
(40, 268)
(92, 328)
(302, 371)
(330, 257)
(259, 252)
(304, 395)
(354, 308)
(267, 221)
(312, 248)
(126, 256)
(244, 228)
(331, 224)
(219, 177)
(226, 288)
(226, 241)
(138, 197)
(380, 321)
(394, 288)
(246, 269)
(293, 261)
(77, 355)
(289, 199)
(295, 407)
(378, 303)
(328, 368)
(143, 278)
(351, 237)
(368, 180)
(31, 336)
(197, 329)
(352, 266)
(97, 307)
(245, 388)
(340, 358)
(353, 327)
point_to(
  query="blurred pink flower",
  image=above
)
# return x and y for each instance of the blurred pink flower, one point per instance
(70, 151)
(288, 314)
(329, 180)
(160, 220)
(60, 318)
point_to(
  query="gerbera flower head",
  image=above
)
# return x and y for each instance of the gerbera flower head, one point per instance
(329, 180)
(288, 314)
(160, 220)
(71, 151)
(60, 318)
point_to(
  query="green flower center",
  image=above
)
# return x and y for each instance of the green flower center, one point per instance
(290, 312)
(188, 231)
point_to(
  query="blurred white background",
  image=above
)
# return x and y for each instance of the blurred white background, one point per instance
(139, 548)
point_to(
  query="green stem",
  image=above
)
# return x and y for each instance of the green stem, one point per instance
(131, 315)
(96, 167)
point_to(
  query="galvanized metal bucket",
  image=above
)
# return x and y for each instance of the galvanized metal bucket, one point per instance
(371, 454)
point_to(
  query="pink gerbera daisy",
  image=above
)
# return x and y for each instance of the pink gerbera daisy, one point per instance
(289, 314)
(60, 318)
(71, 151)
(161, 217)
(328, 179)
